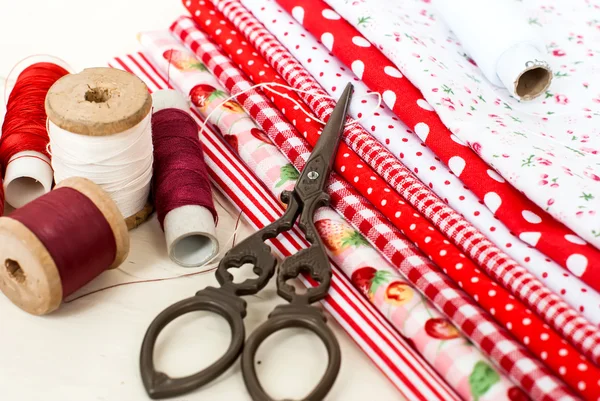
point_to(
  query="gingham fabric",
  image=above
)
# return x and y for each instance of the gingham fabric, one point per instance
(379, 341)
(475, 323)
(578, 331)
(506, 310)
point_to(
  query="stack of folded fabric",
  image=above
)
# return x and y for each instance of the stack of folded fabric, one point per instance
(435, 227)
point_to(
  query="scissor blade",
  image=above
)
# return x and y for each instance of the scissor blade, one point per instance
(327, 145)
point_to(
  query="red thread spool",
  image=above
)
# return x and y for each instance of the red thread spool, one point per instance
(59, 242)
(181, 187)
(24, 130)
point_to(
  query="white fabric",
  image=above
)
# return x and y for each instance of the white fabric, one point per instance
(548, 148)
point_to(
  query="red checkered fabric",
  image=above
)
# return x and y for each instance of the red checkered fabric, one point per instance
(475, 323)
(501, 267)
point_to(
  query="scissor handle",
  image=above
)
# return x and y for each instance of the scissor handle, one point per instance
(287, 316)
(232, 308)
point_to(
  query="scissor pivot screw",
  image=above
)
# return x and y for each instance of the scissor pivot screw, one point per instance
(313, 175)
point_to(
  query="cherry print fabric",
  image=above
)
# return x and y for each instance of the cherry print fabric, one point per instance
(521, 215)
(517, 318)
(387, 349)
(562, 283)
(475, 323)
(547, 148)
(380, 282)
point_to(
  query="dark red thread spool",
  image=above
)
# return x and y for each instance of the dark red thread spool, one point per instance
(181, 186)
(59, 242)
(24, 137)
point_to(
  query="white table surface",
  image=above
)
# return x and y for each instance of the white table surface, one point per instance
(89, 349)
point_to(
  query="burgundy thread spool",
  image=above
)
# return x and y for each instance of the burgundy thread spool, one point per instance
(181, 187)
(59, 242)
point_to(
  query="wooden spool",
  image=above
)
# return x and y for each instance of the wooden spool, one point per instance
(100, 102)
(29, 276)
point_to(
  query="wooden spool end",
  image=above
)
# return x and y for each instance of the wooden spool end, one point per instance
(29, 276)
(100, 102)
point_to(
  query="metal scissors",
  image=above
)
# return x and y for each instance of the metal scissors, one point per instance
(307, 196)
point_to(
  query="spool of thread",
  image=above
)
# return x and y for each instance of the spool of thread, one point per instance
(181, 186)
(57, 243)
(99, 128)
(23, 154)
(506, 49)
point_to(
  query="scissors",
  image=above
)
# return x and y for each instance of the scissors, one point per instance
(307, 196)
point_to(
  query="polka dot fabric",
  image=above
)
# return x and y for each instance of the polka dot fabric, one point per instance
(547, 148)
(565, 323)
(523, 217)
(379, 74)
(585, 300)
(475, 323)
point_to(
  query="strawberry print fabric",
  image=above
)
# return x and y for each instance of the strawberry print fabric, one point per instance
(446, 296)
(546, 148)
(370, 273)
(332, 75)
(523, 218)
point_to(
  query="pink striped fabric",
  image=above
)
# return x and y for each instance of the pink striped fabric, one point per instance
(443, 293)
(522, 284)
(413, 377)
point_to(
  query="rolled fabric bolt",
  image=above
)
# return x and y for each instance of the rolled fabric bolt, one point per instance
(506, 49)
(190, 231)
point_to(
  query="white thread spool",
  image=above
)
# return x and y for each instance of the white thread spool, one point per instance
(99, 128)
(190, 230)
(28, 174)
(507, 50)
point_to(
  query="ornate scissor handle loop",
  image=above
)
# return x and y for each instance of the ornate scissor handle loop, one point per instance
(232, 308)
(288, 316)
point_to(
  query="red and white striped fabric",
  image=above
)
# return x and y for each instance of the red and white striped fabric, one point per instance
(413, 377)
(522, 284)
(443, 293)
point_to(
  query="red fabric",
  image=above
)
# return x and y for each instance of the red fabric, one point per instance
(504, 270)
(552, 241)
(517, 318)
(443, 293)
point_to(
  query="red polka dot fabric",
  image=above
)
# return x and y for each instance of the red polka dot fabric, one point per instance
(528, 221)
